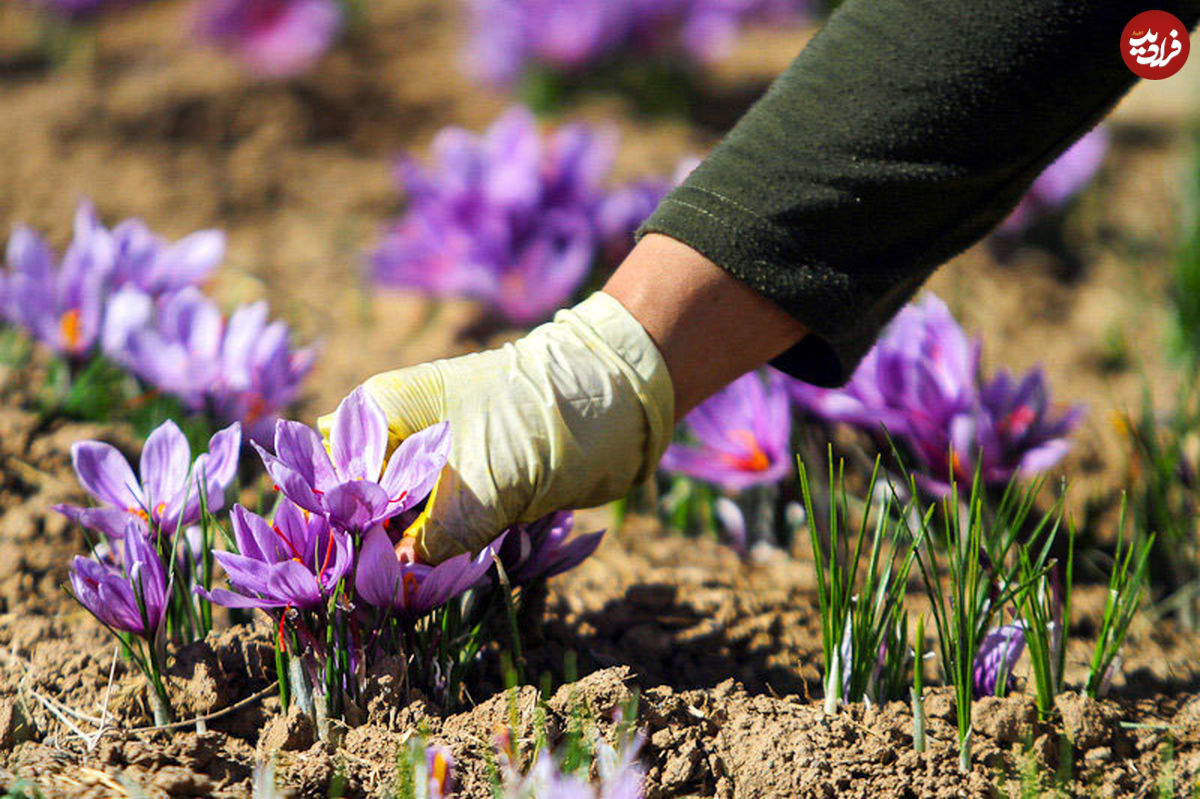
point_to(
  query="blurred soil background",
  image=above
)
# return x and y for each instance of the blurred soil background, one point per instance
(299, 176)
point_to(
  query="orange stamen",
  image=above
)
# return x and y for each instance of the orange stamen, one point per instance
(754, 461)
(70, 329)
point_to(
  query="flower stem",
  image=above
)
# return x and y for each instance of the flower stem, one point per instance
(301, 688)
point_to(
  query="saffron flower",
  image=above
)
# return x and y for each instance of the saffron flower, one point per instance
(413, 589)
(540, 550)
(439, 772)
(272, 38)
(1059, 183)
(76, 9)
(241, 369)
(922, 382)
(998, 652)
(508, 218)
(922, 370)
(349, 483)
(148, 262)
(166, 497)
(573, 36)
(68, 305)
(294, 562)
(61, 305)
(1010, 429)
(130, 599)
(742, 435)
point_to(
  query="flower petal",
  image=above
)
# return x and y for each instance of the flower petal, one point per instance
(290, 482)
(109, 521)
(166, 459)
(106, 475)
(294, 583)
(356, 505)
(415, 466)
(378, 580)
(358, 438)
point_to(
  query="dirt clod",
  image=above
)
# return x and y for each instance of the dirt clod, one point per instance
(288, 733)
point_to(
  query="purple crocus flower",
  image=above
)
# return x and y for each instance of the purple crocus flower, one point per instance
(413, 589)
(539, 550)
(295, 562)
(61, 305)
(507, 218)
(112, 594)
(922, 382)
(619, 776)
(1059, 183)
(742, 435)
(148, 262)
(922, 370)
(68, 306)
(1010, 429)
(273, 38)
(349, 483)
(1000, 650)
(439, 771)
(241, 369)
(166, 496)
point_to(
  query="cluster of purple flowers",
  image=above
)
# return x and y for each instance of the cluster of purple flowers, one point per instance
(922, 383)
(131, 585)
(328, 539)
(323, 561)
(573, 35)
(512, 218)
(272, 38)
(132, 296)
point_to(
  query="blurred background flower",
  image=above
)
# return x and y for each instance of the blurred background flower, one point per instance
(272, 38)
(508, 217)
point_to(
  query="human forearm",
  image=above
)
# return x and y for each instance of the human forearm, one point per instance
(709, 326)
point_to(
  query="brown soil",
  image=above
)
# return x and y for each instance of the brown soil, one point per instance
(724, 653)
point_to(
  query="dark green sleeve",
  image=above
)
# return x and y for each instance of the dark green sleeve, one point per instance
(900, 135)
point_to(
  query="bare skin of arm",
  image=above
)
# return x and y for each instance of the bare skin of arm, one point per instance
(709, 326)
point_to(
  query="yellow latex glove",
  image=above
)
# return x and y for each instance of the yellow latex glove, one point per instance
(570, 416)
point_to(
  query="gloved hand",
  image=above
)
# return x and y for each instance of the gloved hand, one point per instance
(570, 416)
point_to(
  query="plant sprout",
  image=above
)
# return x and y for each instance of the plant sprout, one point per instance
(860, 619)
(983, 579)
(1125, 584)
